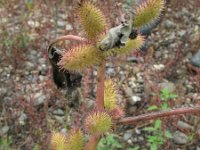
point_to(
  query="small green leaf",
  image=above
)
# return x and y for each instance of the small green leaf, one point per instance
(164, 106)
(135, 148)
(168, 134)
(157, 124)
(154, 146)
(153, 138)
(172, 96)
(154, 107)
(149, 129)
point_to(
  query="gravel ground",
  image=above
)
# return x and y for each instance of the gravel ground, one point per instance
(31, 105)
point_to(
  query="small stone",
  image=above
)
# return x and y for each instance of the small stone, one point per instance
(170, 86)
(89, 103)
(184, 125)
(130, 142)
(59, 119)
(136, 99)
(61, 23)
(159, 67)
(39, 99)
(196, 59)
(22, 118)
(69, 27)
(140, 138)
(168, 24)
(128, 91)
(180, 138)
(111, 71)
(63, 130)
(127, 135)
(58, 112)
(132, 59)
(137, 131)
(42, 60)
(158, 54)
(4, 130)
(29, 65)
(181, 33)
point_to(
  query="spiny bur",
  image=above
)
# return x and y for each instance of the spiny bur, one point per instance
(98, 123)
(75, 140)
(80, 57)
(58, 141)
(147, 12)
(129, 47)
(91, 19)
(109, 95)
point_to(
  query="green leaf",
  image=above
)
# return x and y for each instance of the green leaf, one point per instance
(157, 124)
(153, 138)
(135, 148)
(168, 134)
(172, 96)
(164, 106)
(154, 146)
(154, 107)
(149, 129)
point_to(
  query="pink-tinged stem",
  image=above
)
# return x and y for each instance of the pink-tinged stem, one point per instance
(161, 114)
(100, 87)
(69, 37)
(92, 143)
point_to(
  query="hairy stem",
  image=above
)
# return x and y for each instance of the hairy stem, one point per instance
(100, 87)
(161, 114)
(68, 37)
(92, 143)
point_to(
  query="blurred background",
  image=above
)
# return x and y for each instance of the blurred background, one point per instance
(31, 106)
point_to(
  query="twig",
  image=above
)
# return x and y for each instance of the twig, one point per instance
(161, 114)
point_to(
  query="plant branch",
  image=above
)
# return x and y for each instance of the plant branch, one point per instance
(68, 37)
(100, 87)
(92, 143)
(161, 114)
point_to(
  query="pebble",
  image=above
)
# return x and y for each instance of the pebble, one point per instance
(4, 130)
(58, 112)
(61, 23)
(159, 67)
(69, 27)
(136, 99)
(196, 59)
(63, 130)
(39, 99)
(59, 119)
(168, 24)
(180, 138)
(184, 125)
(111, 71)
(127, 135)
(181, 33)
(22, 118)
(170, 86)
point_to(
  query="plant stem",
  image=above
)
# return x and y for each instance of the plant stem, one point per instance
(100, 87)
(92, 143)
(68, 37)
(161, 114)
